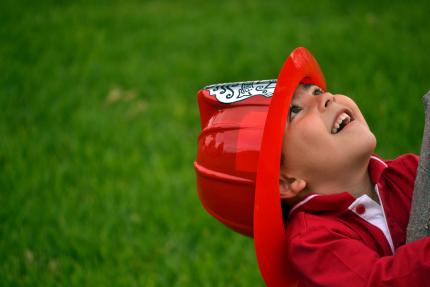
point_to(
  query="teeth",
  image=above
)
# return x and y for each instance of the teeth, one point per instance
(342, 117)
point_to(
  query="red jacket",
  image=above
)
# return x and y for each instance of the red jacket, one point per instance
(339, 240)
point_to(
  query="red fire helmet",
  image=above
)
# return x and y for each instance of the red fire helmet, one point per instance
(238, 158)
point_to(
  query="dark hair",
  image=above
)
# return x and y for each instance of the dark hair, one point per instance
(284, 205)
(285, 209)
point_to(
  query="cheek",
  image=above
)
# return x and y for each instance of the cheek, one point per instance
(363, 139)
(308, 146)
(313, 133)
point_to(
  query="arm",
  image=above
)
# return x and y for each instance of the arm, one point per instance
(419, 223)
(324, 257)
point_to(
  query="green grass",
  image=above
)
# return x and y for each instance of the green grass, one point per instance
(98, 124)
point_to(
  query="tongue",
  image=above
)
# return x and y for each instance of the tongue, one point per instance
(342, 125)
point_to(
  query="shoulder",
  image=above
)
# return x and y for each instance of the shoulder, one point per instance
(404, 161)
(397, 177)
(308, 225)
(404, 166)
(401, 168)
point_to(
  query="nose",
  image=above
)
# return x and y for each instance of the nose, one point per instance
(325, 100)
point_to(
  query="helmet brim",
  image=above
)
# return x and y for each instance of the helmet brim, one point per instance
(269, 230)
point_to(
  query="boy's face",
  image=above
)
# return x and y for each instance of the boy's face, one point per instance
(325, 135)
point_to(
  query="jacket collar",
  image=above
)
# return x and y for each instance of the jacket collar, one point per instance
(376, 168)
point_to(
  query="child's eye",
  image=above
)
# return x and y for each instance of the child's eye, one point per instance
(318, 91)
(294, 110)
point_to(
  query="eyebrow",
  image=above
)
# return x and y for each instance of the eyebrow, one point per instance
(307, 86)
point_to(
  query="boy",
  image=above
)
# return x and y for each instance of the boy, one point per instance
(349, 209)
(347, 226)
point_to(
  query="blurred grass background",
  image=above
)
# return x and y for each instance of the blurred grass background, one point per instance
(99, 121)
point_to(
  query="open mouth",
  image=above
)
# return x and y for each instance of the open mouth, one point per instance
(342, 120)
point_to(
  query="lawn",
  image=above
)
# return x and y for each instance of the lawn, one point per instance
(99, 124)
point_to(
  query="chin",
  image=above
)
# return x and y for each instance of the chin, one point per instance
(367, 144)
(361, 145)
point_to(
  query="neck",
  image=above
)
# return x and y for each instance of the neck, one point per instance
(354, 180)
(361, 185)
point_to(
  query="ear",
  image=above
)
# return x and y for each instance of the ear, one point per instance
(289, 187)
